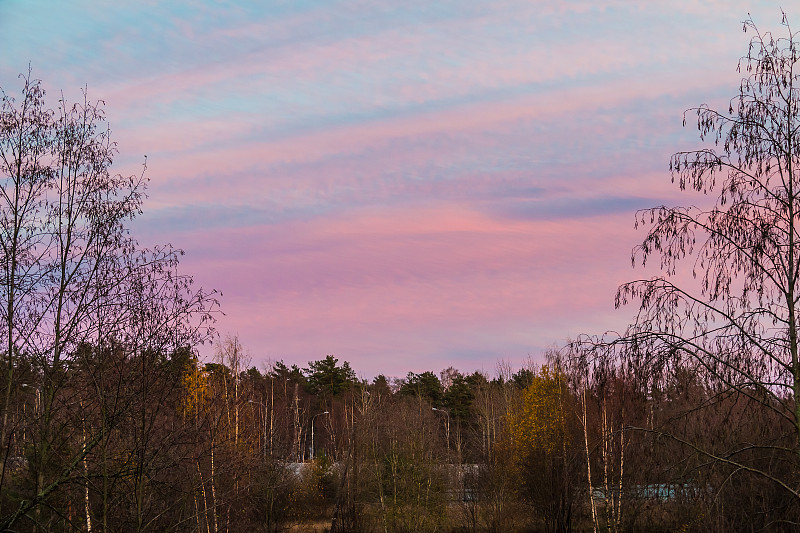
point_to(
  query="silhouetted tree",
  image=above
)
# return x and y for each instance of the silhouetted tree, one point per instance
(71, 277)
(326, 379)
(739, 321)
(425, 385)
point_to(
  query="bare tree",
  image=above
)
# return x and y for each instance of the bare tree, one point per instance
(72, 276)
(232, 354)
(25, 138)
(739, 321)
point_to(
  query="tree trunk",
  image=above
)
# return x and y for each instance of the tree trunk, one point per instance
(585, 423)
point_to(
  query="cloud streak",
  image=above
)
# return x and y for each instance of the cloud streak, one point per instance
(406, 185)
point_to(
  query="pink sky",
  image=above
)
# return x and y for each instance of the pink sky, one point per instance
(405, 185)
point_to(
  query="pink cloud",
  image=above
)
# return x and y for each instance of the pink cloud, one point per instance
(362, 137)
(375, 279)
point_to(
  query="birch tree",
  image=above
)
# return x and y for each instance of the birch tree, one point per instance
(728, 295)
(72, 276)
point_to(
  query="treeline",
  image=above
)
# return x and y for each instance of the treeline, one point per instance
(174, 444)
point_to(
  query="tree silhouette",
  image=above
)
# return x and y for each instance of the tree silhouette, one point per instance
(738, 321)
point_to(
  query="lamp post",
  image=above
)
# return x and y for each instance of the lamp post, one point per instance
(312, 431)
(37, 398)
(447, 427)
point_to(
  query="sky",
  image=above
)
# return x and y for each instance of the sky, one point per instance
(406, 185)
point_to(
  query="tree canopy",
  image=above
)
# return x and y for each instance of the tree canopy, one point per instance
(326, 378)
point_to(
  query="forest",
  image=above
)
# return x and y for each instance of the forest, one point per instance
(166, 443)
(688, 419)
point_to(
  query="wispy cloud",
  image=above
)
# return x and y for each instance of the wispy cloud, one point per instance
(408, 185)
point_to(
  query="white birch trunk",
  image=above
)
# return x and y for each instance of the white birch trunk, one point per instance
(87, 507)
(585, 423)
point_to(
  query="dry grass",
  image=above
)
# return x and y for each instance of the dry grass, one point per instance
(316, 526)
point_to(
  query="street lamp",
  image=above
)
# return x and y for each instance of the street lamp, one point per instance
(37, 400)
(312, 431)
(447, 426)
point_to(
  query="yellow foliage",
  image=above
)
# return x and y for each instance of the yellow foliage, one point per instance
(196, 388)
(538, 422)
